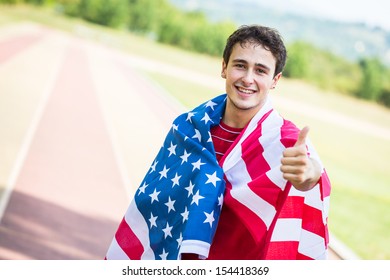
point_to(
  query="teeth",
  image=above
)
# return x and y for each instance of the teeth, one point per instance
(247, 91)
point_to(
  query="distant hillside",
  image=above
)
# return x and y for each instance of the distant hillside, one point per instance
(350, 40)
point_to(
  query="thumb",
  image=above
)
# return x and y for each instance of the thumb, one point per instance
(302, 136)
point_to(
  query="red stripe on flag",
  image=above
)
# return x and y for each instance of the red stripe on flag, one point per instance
(252, 151)
(292, 208)
(326, 234)
(289, 134)
(265, 189)
(128, 241)
(283, 250)
(303, 257)
(240, 234)
(251, 221)
(312, 220)
(325, 185)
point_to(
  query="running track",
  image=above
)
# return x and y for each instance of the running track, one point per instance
(78, 113)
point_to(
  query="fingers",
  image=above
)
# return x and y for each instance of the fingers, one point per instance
(296, 170)
(294, 152)
(294, 165)
(300, 160)
(295, 179)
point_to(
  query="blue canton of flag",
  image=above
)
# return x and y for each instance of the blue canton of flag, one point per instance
(181, 196)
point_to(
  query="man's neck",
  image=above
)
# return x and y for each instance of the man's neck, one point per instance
(237, 118)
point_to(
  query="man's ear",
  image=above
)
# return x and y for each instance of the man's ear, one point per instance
(275, 80)
(223, 72)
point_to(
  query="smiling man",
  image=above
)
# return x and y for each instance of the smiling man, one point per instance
(234, 179)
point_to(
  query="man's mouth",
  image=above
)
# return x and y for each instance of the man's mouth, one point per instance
(245, 90)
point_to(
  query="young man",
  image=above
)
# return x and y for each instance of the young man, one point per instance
(233, 180)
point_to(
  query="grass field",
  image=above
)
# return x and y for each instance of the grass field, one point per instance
(351, 136)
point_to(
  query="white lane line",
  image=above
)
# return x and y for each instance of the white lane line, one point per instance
(28, 138)
(100, 60)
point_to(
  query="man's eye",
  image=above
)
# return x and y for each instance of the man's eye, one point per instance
(261, 71)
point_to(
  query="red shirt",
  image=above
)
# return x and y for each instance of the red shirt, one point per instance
(223, 137)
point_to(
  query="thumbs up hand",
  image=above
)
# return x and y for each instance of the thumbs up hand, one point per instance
(303, 172)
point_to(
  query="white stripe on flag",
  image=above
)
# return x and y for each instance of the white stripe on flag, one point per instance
(325, 212)
(312, 245)
(287, 230)
(242, 193)
(138, 225)
(115, 252)
(295, 192)
(273, 150)
(313, 198)
(312, 152)
(276, 177)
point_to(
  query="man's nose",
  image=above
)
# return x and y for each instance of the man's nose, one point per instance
(248, 78)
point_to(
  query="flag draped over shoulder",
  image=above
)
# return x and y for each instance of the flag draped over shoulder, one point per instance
(178, 205)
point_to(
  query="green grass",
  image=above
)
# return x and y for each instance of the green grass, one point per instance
(187, 93)
(357, 162)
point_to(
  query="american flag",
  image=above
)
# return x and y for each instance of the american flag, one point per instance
(177, 207)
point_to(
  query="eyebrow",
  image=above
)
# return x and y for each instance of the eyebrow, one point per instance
(257, 64)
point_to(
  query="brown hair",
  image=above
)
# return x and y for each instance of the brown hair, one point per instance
(267, 37)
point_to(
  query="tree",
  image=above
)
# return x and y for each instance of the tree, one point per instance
(298, 61)
(372, 82)
(105, 12)
(145, 16)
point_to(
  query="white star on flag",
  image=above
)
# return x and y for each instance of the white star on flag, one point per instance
(220, 201)
(196, 197)
(206, 118)
(172, 149)
(152, 220)
(184, 157)
(167, 231)
(210, 104)
(153, 167)
(154, 195)
(209, 218)
(197, 135)
(164, 172)
(175, 180)
(170, 204)
(210, 137)
(179, 240)
(164, 255)
(142, 188)
(197, 164)
(190, 189)
(185, 214)
(189, 116)
(212, 178)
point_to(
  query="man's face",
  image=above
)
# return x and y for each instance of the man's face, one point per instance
(249, 76)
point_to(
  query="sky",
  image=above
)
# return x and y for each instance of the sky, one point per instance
(372, 12)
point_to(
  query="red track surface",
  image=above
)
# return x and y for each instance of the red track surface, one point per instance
(69, 194)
